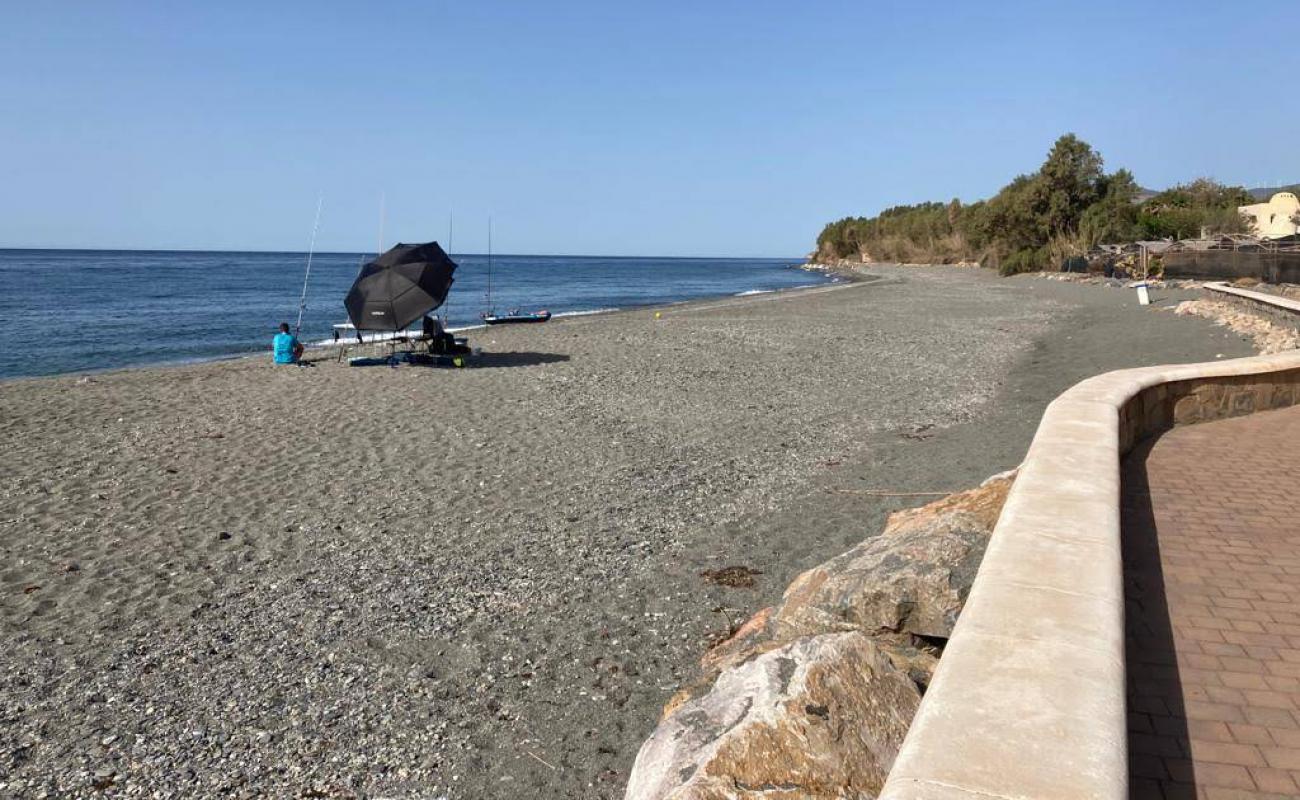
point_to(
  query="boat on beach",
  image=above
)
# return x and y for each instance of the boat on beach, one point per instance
(514, 316)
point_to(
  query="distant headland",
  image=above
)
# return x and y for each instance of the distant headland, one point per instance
(1064, 209)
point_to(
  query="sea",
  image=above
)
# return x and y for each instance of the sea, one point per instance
(81, 310)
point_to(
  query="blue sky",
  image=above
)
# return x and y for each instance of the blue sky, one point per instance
(658, 128)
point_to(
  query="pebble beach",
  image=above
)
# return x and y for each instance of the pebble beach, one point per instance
(240, 580)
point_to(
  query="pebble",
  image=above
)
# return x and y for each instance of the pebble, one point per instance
(1268, 336)
(469, 585)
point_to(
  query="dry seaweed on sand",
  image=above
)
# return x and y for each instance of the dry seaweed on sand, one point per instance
(736, 577)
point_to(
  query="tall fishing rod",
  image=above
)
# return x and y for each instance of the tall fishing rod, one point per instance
(446, 307)
(489, 280)
(311, 250)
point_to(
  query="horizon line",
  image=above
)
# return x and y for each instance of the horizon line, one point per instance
(360, 252)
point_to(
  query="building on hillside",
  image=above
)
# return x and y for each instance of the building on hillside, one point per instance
(1278, 217)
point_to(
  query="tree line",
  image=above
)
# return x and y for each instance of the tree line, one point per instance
(1064, 209)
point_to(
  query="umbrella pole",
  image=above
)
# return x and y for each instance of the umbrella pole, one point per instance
(311, 249)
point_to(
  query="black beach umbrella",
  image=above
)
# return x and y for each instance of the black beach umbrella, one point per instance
(399, 287)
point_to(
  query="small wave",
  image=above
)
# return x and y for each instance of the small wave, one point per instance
(584, 313)
(367, 337)
(753, 292)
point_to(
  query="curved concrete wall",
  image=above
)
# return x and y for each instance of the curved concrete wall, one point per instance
(1029, 697)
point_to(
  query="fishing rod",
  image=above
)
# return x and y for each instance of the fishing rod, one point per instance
(446, 308)
(311, 250)
(489, 269)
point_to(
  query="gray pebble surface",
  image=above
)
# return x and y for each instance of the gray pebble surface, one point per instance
(237, 580)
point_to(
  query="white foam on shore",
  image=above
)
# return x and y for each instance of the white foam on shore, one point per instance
(366, 338)
(584, 313)
(385, 336)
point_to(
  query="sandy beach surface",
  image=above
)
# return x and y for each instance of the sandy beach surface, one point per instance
(233, 579)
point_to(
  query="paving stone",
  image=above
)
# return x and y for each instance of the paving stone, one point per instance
(1211, 555)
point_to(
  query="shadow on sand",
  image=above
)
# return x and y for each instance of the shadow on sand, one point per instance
(486, 360)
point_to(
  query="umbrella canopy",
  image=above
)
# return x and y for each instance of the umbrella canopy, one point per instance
(399, 287)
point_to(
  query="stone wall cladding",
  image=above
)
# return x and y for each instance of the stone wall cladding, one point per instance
(1188, 402)
(1029, 697)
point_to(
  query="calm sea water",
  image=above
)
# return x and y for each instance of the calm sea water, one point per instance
(71, 310)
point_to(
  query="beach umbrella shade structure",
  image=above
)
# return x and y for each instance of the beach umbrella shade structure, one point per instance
(399, 287)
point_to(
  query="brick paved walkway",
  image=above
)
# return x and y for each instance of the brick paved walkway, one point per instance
(1212, 585)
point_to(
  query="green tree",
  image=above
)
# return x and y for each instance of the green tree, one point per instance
(1014, 221)
(1069, 205)
(1070, 180)
(1183, 211)
(1113, 218)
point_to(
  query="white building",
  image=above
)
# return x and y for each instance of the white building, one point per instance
(1276, 218)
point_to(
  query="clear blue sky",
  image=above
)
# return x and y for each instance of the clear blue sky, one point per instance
(655, 128)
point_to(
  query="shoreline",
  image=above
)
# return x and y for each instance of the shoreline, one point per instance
(403, 582)
(327, 344)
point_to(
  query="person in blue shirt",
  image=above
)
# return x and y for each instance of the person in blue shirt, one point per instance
(285, 346)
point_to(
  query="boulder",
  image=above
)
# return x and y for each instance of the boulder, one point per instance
(905, 586)
(912, 580)
(821, 717)
(812, 697)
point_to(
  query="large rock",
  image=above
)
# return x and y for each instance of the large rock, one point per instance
(912, 579)
(822, 717)
(905, 586)
(859, 636)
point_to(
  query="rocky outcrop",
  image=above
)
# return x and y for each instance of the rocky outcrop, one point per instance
(821, 717)
(911, 580)
(812, 697)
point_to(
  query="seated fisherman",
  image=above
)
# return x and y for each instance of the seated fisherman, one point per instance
(439, 340)
(285, 346)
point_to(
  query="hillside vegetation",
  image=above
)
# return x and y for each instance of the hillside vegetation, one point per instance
(1070, 204)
